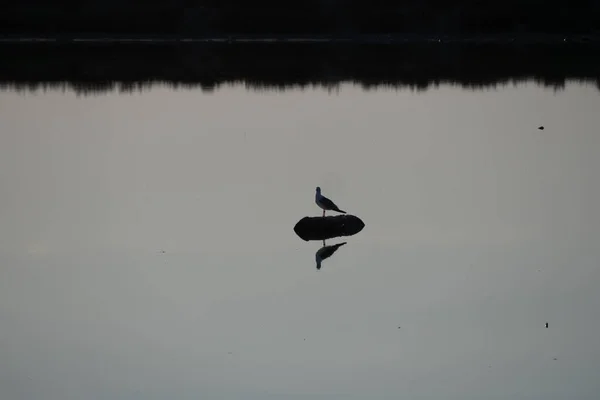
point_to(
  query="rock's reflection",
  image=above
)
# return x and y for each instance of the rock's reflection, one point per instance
(326, 252)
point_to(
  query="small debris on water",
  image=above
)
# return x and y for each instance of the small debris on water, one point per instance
(541, 128)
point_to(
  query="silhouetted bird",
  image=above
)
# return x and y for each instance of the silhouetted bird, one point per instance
(546, 324)
(326, 252)
(325, 203)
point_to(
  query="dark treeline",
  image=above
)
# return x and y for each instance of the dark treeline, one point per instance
(339, 17)
(89, 69)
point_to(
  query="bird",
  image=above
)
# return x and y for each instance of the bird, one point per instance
(546, 324)
(325, 203)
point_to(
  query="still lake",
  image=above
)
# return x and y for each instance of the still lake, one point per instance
(147, 248)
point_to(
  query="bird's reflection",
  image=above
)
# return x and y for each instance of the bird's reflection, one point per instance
(326, 252)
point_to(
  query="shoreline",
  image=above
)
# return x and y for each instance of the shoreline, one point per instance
(391, 39)
(92, 66)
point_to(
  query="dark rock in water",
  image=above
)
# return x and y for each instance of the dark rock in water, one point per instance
(322, 228)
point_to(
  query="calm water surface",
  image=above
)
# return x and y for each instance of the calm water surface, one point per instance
(147, 248)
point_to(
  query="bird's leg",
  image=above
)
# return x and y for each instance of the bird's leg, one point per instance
(323, 212)
(323, 242)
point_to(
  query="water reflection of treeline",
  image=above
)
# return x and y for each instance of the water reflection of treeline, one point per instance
(97, 68)
(209, 17)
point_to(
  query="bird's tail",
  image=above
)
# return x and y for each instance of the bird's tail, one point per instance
(340, 211)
